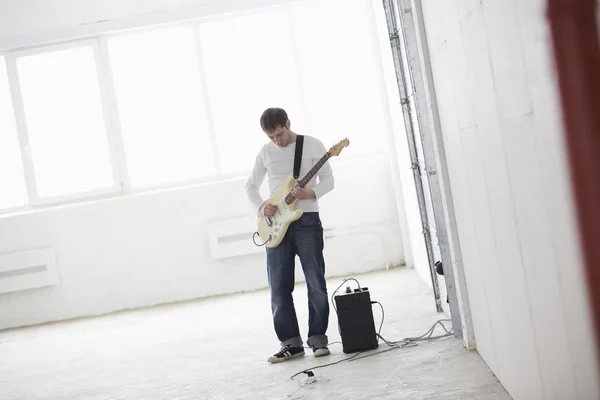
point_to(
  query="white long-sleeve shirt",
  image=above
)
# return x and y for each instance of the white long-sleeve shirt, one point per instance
(278, 163)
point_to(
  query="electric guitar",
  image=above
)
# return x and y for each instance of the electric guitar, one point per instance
(272, 229)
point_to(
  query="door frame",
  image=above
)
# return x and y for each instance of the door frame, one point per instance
(408, 43)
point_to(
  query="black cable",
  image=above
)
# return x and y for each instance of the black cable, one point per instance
(258, 244)
(308, 370)
(329, 344)
(382, 319)
(392, 347)
(406, 342)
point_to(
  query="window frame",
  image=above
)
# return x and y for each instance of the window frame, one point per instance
(116, 149)
(17, 98)
(284, 10)
(19, 139)
(127, 187)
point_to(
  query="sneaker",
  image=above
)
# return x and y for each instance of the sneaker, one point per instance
(320, 350)
(286, 353)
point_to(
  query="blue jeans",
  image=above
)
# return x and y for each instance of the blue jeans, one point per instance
(305, 239)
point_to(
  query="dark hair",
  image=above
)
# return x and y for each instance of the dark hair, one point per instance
(273, 118)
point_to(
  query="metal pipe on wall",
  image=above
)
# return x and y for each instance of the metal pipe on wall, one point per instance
(395, 32)
(416, 52)
(576, 45)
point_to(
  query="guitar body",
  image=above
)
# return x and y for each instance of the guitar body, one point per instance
(272, 230)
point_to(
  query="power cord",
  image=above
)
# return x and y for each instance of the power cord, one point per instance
(406, 342)
(382, 319)
(309, 370)
(330, 343)
(338, 288)
(428, 335)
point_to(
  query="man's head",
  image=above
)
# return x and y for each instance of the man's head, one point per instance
(275, 123)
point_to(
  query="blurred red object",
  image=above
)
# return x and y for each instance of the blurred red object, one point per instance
(576, 47)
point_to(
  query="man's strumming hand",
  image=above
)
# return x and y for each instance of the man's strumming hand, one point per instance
(267, 210)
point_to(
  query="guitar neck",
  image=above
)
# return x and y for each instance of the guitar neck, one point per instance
(309, 175)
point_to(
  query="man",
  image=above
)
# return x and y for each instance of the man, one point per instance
(304, 237)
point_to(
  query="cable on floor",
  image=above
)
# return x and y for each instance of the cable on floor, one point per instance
(394, 345)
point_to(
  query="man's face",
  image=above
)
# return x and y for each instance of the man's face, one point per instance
(281, 136)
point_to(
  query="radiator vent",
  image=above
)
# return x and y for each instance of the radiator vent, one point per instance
(233, 237)
(27, 270)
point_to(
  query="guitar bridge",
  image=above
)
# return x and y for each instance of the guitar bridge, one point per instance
(269, 221)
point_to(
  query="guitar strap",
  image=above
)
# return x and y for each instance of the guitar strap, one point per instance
(298, 155)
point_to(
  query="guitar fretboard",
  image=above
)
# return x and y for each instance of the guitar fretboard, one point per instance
(309, 175)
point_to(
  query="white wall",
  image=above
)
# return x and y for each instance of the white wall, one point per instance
(501, 124)
(150, 248)
(146, 249)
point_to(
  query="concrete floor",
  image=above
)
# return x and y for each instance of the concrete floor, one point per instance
(217, 349)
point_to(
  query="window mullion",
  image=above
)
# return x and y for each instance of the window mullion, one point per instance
(21, 125)
(207, 102)
(111, 116)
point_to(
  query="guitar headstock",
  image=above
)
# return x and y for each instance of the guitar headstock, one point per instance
(336, 149)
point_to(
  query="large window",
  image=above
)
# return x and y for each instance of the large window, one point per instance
(250, 66)
(161, 108)
(181, 103)
(13, 192)
(340, 73)
(64, 121)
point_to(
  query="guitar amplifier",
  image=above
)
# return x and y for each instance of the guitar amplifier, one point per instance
(355, 319)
